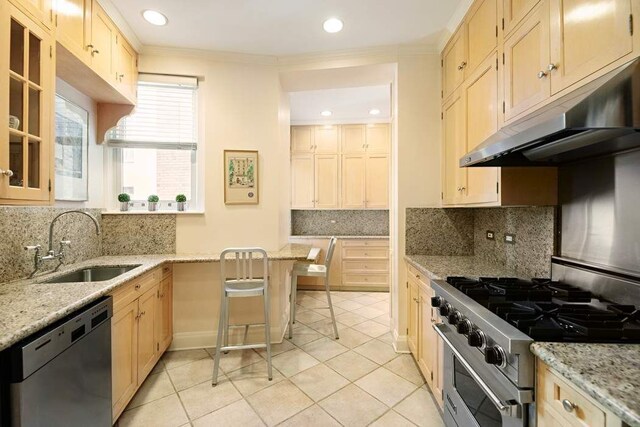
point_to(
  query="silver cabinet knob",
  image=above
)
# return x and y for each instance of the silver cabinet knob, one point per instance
(94, 51)
(552, 67)
(542, 74)
(462, 65)
(568, 405)
(463, 188)
(7, 173)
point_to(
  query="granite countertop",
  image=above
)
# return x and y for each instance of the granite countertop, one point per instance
(29, 305)
(339, 237)
(439, 267)
(609, 373)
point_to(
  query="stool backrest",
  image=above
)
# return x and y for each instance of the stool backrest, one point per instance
(330, 249)
(244, 258)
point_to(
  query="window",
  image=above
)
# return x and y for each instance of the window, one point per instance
(155, 147)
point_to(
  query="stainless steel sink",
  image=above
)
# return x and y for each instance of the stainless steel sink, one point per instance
(92, 274)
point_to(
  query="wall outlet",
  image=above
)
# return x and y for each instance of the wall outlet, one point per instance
(510, 238)
(491, 235)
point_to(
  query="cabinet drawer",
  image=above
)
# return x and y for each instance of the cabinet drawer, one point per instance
(365, 243)
(354, 279)
(134, 289)
(367, 253)
(167, 271)
(365, 266)
(555, 391)
(415, 274)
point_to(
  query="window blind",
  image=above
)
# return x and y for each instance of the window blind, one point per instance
(165, 116)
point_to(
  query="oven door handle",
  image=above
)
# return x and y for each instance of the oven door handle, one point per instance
(502, 407)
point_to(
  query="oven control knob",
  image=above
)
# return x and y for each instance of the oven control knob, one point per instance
(454, 317)
(495, 356)
(446, 309)
(476, 339)
(436, 301)
(464, 327)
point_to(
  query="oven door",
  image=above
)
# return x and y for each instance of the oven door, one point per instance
(477, 394)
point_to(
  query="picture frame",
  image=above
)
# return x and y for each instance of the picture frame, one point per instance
(241, 177)
(71, 151)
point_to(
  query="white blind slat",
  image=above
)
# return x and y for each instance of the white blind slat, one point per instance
(165, 117)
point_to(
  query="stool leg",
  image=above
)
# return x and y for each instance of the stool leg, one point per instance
(333, 317)
(226, 324)
(267, 333)
(216, 363)
(292, 303)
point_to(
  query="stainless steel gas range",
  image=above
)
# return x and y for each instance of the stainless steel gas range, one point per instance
(489, 324)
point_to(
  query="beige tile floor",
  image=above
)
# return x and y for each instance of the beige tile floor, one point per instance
(358, 380)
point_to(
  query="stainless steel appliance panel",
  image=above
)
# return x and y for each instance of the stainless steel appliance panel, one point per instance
(600, 201)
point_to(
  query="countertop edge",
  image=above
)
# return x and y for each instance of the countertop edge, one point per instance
(575, 377)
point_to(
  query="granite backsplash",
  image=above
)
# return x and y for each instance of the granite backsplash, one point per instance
(434, 231)
(139, 234)
(121, 235)
(22, 226)
(339, 222)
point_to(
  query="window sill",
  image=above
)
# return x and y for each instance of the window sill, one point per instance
(198, 212)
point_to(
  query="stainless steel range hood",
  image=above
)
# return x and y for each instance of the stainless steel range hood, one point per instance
(599, 118)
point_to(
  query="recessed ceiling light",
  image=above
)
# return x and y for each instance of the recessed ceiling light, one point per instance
(154, 17)
(326, 113)
(333, 25)
(374, 111)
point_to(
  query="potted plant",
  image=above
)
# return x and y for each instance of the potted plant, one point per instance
(181, 199)
(153, 202)
(124, 200)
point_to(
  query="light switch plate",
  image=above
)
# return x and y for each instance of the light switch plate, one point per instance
(510, 238)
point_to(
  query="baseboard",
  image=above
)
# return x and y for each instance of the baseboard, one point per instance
(206, 339)
(400, 342)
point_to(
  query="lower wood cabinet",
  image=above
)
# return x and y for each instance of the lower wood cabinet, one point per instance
(141, 331)
(560, 403)
(424, 343)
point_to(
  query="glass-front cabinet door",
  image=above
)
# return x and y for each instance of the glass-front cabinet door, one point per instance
(26, 142)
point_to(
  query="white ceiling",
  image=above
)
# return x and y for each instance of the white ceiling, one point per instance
(348, 105)
(288, 27)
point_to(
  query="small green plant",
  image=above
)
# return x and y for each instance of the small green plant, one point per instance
(153, 199)
(181, 198)
(124, 198)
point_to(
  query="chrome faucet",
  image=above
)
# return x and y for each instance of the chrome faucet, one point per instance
(51, 254)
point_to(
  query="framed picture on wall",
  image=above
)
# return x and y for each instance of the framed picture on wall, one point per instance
(240, 177)
(71, 151)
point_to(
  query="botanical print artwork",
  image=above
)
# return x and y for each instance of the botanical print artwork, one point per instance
(241, 172)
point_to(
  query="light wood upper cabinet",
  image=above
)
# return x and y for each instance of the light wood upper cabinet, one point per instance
(126, 69)
(40, 10)
(587, 35)
(353, 138)
(514, 11)
(526, 57)
(326, 139)
(377, 181)
(302, 139)
(327, 194)
(103, 43)
(481, 96)
(481, 33)
(378, 138)
(453, 63)
(353, 181)
(302, 181)
(124, 355)
(26, 93)
(453, 128)
(73, 31)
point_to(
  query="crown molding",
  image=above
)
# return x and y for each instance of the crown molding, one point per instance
(453, 23)
(121, 23)
(219, 56)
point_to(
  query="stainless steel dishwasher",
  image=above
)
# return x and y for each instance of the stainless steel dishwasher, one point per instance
(61, 376)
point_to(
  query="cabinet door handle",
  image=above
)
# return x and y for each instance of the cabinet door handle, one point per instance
(463, 188)
(90, 46)
(552, 67)
(542, 74)
(95, 51)
(462, 65)
(137, 287)
(568, 405)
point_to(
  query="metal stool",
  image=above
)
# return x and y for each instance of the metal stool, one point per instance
(244, 285)
(312, 270)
